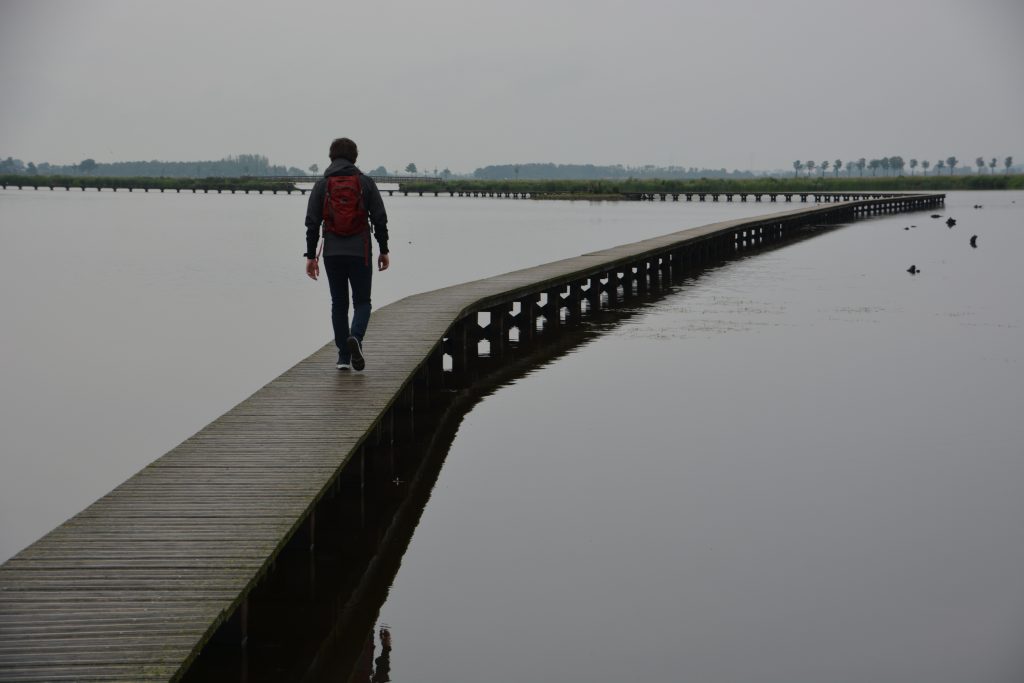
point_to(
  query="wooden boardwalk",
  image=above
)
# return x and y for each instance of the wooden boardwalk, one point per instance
(135, 585)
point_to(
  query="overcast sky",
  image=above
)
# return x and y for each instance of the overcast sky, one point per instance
(461, 84)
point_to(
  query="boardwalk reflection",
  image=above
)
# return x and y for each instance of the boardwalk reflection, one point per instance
(313, 617)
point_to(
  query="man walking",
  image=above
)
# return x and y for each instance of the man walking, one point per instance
(347, 203)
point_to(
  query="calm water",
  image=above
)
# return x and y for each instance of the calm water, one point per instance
(800, 466)
(803, 466)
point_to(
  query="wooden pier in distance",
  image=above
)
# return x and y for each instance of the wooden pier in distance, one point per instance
(133, 587)
(803, 196)
(287, 185)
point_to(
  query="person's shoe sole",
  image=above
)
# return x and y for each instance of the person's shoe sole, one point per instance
(356, 351)
(344, 366)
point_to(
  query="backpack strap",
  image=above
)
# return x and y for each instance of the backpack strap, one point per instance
(327, 202)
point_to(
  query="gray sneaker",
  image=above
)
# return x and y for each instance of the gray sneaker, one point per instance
(343, 363)
(355, 350)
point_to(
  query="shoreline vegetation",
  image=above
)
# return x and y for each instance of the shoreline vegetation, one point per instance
(594, 190)
(607, 189)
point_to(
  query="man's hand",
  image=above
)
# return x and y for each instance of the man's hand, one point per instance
(383, 261)
(312, 268)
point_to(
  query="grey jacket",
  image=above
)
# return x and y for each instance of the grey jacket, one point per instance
(338, 245)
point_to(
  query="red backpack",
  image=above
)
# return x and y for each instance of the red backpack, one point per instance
(344, 213)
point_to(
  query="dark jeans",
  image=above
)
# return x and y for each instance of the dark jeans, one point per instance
(342, 272)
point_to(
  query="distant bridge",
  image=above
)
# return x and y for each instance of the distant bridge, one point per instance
(376, 178)
(803, 196)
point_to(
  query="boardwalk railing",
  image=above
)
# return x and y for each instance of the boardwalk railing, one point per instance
(803, 196)
(134, 586)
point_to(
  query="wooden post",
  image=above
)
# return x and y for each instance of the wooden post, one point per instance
(435, 369)
(575, 300)
(627, 279)
(458, 347)
(594, 293)
(309, 530)
(553, 312)
(527, 318)
(421, 386)
(643, 269)
(612, 288)
(498, 331)
(235, 631)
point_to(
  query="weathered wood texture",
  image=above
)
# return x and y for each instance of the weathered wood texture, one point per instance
(132, 587)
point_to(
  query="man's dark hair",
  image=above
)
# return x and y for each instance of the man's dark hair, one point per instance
(343, 148)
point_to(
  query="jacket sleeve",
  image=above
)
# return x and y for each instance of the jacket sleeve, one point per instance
(378, 216)
(314, 217)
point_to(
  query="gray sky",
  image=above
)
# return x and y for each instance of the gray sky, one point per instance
(717, 83)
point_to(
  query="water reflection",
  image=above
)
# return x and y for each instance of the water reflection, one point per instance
(374, 670)
(314, 616)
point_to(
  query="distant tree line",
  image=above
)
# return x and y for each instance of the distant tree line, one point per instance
(255, 165)
(893, 166)
(410, 169)
(610, 188)
(549, 171)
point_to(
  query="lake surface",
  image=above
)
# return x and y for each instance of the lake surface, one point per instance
(804, 465)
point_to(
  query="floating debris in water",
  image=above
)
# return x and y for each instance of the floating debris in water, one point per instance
(936, 215)
(977, 206)
(913, 270)
(951, 222)
(974, 241)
